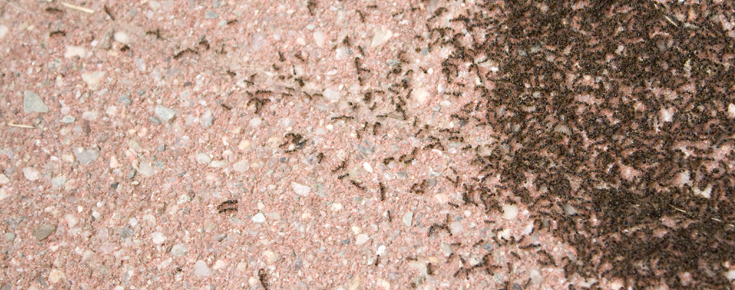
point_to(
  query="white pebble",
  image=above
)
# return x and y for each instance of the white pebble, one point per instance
(4, 179)
(456, 228)
(361, 239)
(203, 158)
(122, 37)
(31, 174)
(201, 269)
(301, 190)
(510, 212)
(731, 110)
(255, 122)
(332, 94)
(241, 166)
(381, 36)
(3, 31)
(72, 51)
(337, 207)
(382, 250)
(146, 169)
(259, 218)
(158, 238)
(421, 95)
(319, 38)
(93, 79)
(367, 167)
(407, 219)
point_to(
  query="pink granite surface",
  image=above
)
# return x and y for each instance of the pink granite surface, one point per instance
(105, 189)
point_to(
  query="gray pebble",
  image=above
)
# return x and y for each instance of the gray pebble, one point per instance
(132, 12)
(516, 286)
(164, 113)
(161, 148)
(310, 27)
(488, 246)
(86, 155)
(68, 119)
(32, 103)
(155, 120)
(179, 250)
(211, 15)
(207, 119)
(126, 232)
(215, 4)
(125, 100)
(402, 175)
(43, 231)
(131, 174)
(10, 236)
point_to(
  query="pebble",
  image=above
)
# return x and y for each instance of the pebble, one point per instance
(381, 36)
(155, 120)
(126, 232)
(201, 269)
(361, 239)
(4, 179)
(510, 212)
(255, 122)
(241, 166)
(55, 276)
(43, 231)
(211, 14)
(72, 51)
(32, 103)
(68, 119)
(331, 94)
(367, 167)
(407, 219)
(122, 37)
(420, 95)
(58, 181)
(456, 228)
(125, 100)
(158, 238)
(258, 218)
(86, 155)
(10, 236)
(257, 41)
(179, 250)
(164, 113)
(92, 79)
(301, 190)
(31, 174)
(207, 119)
(319, 38)
(146, 169)
(203, 158)
(3, 31)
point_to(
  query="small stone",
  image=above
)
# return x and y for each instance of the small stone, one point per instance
(203, 158)
(93, 79)
(155, 120)
(86, 155)
(201, 269)
(10, 236)
(242, 266)
(381, 36)
(219, 265)
(367, 167)
(332, 94)
(207, 119)
(407, 219)
(319, 38)
(510, 212)
(68, 119)
(122, 37)
(164, 113)
(487, 246)
(58, 181)
(125, 100)
(179, 250)
(31, 173)
(255, 122)
(456, 228)
(301, 190)
(32, 103)
(43, 231)
(55, 276)
(3, 31)
(4, 179)
(211, 14)
(126, 232)
(73, 51)
(361, 239)
(257, 41)
(259, 218)
(244, 145)
(241, 166)
(146, 169)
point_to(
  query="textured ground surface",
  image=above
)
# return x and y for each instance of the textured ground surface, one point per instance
(366, 145)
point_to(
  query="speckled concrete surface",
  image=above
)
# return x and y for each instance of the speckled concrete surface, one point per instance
(246, 144)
